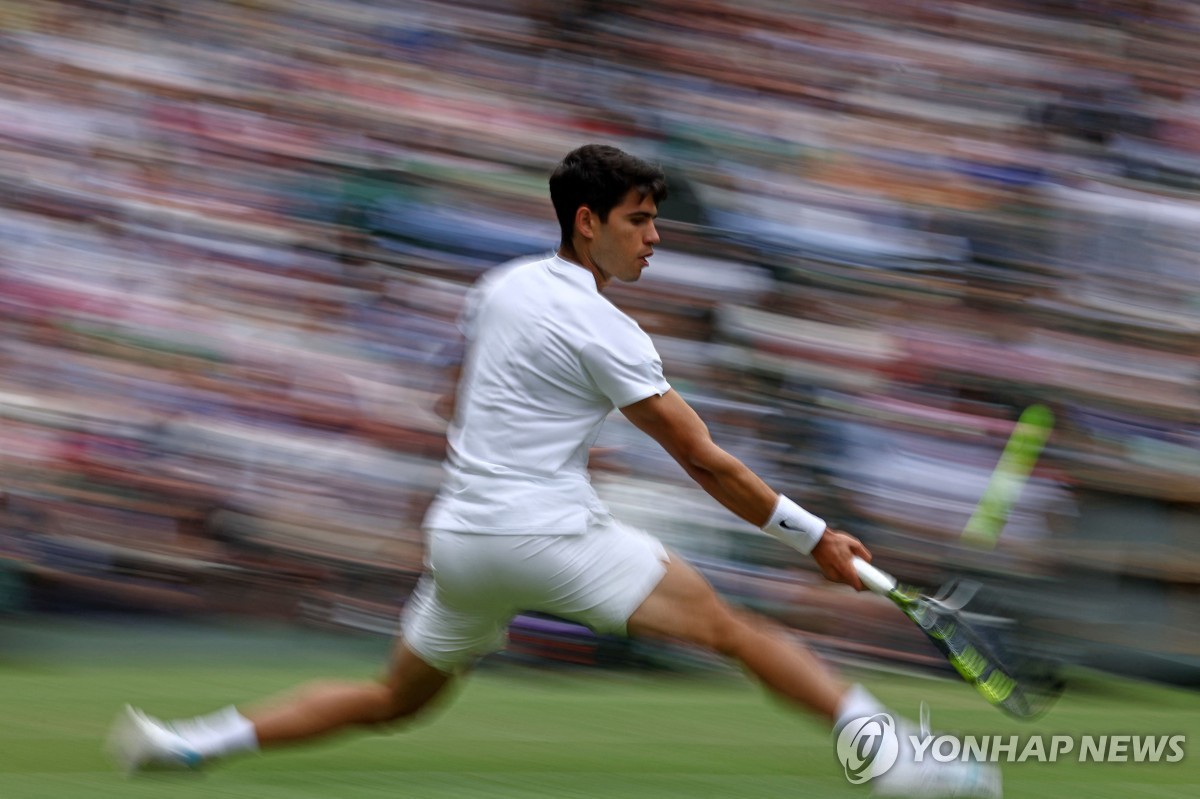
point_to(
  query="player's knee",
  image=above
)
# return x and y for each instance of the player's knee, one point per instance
(722, 629)
(399, 705)
(398, 708)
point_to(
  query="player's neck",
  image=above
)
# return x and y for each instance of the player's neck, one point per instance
(568, 253)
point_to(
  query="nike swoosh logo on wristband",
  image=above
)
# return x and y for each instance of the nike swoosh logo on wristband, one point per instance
(783, 523)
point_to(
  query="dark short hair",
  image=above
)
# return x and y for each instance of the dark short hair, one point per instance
(599, 176)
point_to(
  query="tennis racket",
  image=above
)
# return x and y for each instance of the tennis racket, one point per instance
(1021, 687)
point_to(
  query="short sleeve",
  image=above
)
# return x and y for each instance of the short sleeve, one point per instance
(476, 297)
(470, 310)
(625, 369)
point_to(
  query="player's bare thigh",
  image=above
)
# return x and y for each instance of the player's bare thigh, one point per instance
(685, 606)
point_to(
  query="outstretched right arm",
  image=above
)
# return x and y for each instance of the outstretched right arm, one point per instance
(670, 421)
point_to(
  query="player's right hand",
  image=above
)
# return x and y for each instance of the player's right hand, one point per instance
(835, 552)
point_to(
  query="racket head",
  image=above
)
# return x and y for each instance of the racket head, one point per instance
(977, 647)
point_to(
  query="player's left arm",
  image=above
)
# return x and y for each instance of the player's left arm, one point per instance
(445, 404)
(676, 426)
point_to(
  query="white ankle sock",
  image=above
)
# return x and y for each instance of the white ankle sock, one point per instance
(857, 703)
(219, 734)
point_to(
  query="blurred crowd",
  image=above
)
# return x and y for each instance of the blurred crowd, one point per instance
(235, 236)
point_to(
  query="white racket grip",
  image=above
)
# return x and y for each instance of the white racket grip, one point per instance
(877, 580)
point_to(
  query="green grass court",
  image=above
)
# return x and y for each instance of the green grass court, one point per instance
(512, 731)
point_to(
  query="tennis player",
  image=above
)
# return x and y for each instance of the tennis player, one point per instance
(518, 527)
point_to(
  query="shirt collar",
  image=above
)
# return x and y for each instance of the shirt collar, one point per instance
(573, 272)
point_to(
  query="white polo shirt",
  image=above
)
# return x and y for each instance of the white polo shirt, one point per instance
(548, 358)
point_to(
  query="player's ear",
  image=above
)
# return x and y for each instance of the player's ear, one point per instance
(585, 222)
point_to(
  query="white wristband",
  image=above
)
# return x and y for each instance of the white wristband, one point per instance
(795, 526)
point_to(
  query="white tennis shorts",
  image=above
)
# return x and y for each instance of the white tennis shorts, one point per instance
(476, 583)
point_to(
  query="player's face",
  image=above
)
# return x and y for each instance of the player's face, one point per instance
(624, 243)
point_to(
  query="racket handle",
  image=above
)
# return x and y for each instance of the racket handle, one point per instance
(877, 580)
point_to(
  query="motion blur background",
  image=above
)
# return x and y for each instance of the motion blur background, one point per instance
(234, 238)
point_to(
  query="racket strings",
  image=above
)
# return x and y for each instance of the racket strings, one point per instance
(971, 656)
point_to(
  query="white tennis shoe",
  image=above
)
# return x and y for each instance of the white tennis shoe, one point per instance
(138, 742)
(929, 778)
